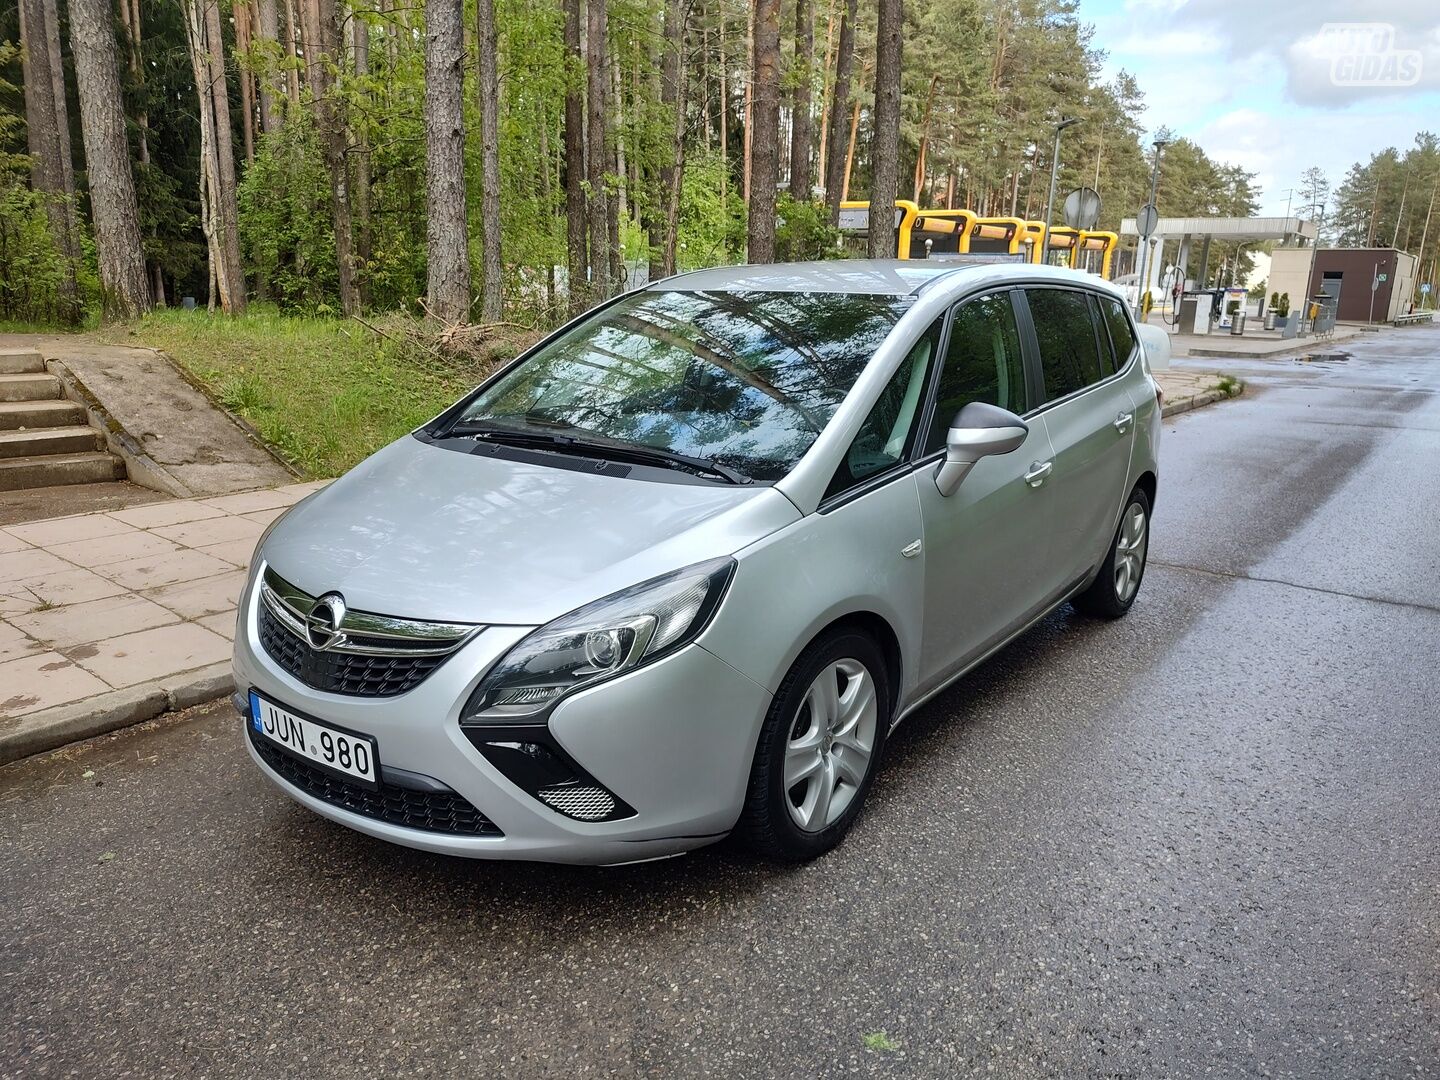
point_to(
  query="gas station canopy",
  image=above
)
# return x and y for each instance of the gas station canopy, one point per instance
(1290, 231)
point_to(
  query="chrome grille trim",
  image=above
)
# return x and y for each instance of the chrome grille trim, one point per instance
(365, 633)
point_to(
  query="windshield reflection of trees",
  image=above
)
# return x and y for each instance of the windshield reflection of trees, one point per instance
(744, 378)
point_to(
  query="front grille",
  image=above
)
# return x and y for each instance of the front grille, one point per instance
(432, 811)
(339, 672)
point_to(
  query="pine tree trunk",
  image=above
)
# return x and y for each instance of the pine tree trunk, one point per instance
(323, 49)
(243, 36)
(62, 120)
(765, 144)
(222, 284)
(622, 175)
(800, 137)
(829, 64)
(597, 157)
(672, 96)
(228, 225)
(925, 137)
(837, 165)
(267, 29)
(360, 49)
(489, 89)
(885, 133)
(107, 158)
(747, 118)
(547, 204)
(724, 130)
(130, 12)
(43, 110)
(576, 256)
(287, 54)
(447, 239)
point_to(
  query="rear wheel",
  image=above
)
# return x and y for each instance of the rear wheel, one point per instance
(818, 748)
(1114, 589)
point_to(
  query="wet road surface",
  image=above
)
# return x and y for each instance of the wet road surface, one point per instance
(1204, 840)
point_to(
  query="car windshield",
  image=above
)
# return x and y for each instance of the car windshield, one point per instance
(746, 379)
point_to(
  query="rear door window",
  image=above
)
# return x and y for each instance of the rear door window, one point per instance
(1065, 331)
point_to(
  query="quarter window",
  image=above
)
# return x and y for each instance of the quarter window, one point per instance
(983, 362)
(1121, 335)
(1065, 332)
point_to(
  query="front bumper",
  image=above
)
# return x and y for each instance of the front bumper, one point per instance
(673, 739)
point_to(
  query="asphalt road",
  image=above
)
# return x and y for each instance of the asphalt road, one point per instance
(1204, 840)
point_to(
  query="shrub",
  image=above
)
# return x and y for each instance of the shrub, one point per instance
(803, 231)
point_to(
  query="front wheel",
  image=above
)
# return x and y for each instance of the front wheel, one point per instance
(818, 749)
(1114, 588)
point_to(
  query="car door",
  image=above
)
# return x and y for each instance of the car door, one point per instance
(1090, 418)
(986, 544)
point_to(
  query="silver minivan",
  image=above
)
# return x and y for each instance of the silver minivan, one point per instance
(677, 571)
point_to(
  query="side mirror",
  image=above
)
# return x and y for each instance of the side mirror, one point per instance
(978, 430)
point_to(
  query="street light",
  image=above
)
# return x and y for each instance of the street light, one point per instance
(1162, 140)
(1054, 174)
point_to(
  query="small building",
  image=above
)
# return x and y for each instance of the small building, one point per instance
(1347, 273)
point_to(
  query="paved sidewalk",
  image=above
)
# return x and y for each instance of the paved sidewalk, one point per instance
(110, 609)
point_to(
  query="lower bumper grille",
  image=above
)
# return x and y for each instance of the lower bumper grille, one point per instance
(432, 811)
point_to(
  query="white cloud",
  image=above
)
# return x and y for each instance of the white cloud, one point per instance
(1250, 80)
(1278, 148)
(1289, 34)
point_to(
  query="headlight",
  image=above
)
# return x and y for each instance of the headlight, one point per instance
(597, 642)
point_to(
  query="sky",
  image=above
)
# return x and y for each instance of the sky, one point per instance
(1276, 86)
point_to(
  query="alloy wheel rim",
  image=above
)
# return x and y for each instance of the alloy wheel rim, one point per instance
(1130, 552)
(830, 744)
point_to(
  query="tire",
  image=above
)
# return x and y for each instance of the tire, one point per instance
(789, 823)
(1114, 589)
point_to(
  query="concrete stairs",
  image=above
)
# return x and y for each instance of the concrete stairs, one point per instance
(45, 440)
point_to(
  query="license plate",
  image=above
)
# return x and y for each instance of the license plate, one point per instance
(351, 755)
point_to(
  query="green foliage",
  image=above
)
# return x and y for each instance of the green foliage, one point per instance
(32, 269)
(285, 225)
(1384, 200)
(712, 227)
(804, 231)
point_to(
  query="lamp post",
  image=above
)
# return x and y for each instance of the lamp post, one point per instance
(1161, 141)
(1054, 175)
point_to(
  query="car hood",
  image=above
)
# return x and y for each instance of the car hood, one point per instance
(424, 532)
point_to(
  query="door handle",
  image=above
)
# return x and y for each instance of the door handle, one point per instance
(1123, 421)
(1038, 472)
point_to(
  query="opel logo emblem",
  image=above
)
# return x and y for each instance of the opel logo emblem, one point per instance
(322, 625)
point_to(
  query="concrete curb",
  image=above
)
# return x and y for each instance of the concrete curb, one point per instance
(52, 728)
(1199, 401)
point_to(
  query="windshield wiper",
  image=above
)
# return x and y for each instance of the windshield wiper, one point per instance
(598, 446)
